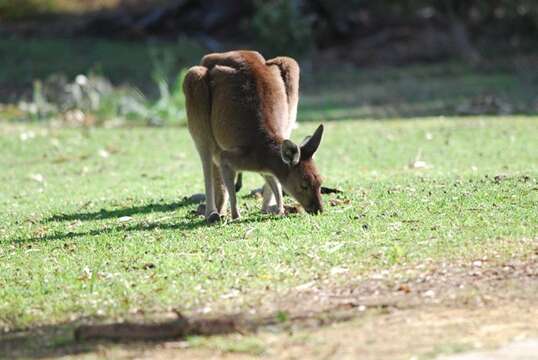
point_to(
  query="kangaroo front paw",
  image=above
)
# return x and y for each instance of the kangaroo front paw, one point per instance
(212, 217)
(236, 214)
(273, 209)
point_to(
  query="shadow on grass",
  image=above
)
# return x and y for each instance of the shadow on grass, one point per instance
(190, 223)
(42, 342)
(117, 213)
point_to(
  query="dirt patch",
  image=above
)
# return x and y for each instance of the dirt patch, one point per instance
(517, 350)
(455, 283)
(421, 311)
(418, 333)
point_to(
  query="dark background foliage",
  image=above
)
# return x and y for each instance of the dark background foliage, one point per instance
(430, 30)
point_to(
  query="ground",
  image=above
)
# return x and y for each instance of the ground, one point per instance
(100, 227)
(430, 249)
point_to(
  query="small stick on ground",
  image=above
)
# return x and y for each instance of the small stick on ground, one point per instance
(173, 329)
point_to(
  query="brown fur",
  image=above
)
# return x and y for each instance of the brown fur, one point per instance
(240, 109)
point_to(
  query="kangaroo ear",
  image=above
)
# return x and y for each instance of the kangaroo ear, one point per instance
(306, 139)
(291, 154)
(311, 144)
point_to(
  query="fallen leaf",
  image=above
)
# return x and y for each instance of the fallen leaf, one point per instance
(248, 232)
(499, 178)
(418, 164)
(395, 226)
(338, 270)
(305, 286)
(27, 135)
(86, 274)
(292, 209)
(176, 344)
(74, 224)
(61, 159)
(37, 177)
(148, 266)
(337, 202)
(230, 295)
(111, 149)
(430, 293)
(104, 153)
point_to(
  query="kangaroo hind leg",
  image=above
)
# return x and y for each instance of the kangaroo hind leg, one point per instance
(198, 104)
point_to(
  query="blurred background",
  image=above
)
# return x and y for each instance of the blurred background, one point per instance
(116, 62)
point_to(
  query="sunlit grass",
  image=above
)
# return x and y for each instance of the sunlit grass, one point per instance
(95, 221)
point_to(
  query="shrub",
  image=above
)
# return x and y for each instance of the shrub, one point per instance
(280, 28)
(23, 8)
(93, 100)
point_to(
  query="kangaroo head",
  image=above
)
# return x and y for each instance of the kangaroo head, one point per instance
(303, 181)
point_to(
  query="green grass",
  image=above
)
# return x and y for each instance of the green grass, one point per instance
(419, 90)
(67, 250)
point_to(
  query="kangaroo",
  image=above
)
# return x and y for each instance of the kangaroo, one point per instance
(240, 113)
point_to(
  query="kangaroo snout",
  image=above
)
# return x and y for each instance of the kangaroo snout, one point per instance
(315, 207)
(314, 210)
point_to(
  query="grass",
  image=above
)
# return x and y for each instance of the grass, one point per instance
(420, 90)
(95, 222)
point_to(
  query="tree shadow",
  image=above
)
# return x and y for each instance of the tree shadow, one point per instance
(190, 223)
(117, 213)
(108, 230)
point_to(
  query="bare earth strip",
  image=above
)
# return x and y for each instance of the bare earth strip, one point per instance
(407, 312)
